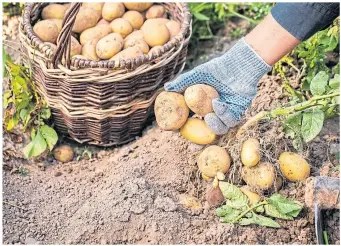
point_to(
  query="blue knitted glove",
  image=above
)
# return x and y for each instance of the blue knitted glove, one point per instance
(235, 76)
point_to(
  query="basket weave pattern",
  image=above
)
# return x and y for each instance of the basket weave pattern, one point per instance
(102, 103)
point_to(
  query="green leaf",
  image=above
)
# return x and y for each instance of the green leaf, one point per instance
(36, 147)
(319, 83)
(259, 209)
(284, 205)
(33, 133)
(335, 82)
(45, 113)
(12, 122)
(19, 85)
(7, 95)
(272, 211)
(230, 217)
(201, 17)
(312, 124)
(234, 194)
(49, 135)
(23, 114)
(259, 220)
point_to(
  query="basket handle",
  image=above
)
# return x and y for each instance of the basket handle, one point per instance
(64, 38)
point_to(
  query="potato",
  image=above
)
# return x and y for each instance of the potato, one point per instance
(253, 197)
(156, 11)
(103, 21)
(155, 33)
(76, 48)
(80, 57)
(96, 32)
(112, 11)
(89, 50)
(171, 111)
(128, 53)
(67, 6)
(197, 131)
(250, 154)
(261, 176)
(160, 20)
(293, 166)
(137, 6)
(85, 19)
(53, 11)
(137, 42)
(121, 26)
(135, 18)
(46, 30)
(278, 184)
(199, 98)
(63, 153)
(96, 6)
(214, 196)
(109, 46)
(135, 34)
(212, 160)
(174, 28)
(59, 24)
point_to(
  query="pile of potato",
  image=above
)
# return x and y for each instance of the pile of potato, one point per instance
(110, 31)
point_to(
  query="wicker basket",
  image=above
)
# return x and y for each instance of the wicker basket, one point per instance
(101, 102)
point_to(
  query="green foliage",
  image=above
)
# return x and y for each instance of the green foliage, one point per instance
(12, 8)
(25, 109)
(237, 210)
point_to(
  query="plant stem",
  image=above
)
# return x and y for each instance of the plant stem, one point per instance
(234, 13)
(248, 210)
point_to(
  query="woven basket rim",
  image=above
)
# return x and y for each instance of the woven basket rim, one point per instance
(129, 64)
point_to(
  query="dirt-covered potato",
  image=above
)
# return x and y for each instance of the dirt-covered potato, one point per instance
(46, 30)
(138, 34)
(89, 50)
(253, 197)
(137, 6)
(109, 46)
(261, 176)
(135, 19)
(85, 19)
(212, 160)
(76, 48)
(155, 33)
(214, 196)
(112, 11)
(137, 42)
(155, 11)
(53, 11)
(174, 28)
(197, 131)
(63, 153)
(59, 24)
(293, 166)
(103, 21)
(171, 111)
(128, 53)
(96, 32)
(96, 6)
(250, 154)
(199, 98)
(121, 26)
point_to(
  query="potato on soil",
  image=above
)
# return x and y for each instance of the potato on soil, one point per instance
(59, 23)
(293, 166)
(46, 30)
(96, 6)
(85, 19)
(63, 153)
(250, 154)
(212, 160)
(53, 11)
(214, 196)
(109, 46)
(171, 111)
(76, 48)
(189, 201)
(137, 42)
(138, 34)
(89, 50)
(103, 21)
(135, 19)
(121, 26)
(174, 27)
(155, 33)
(277, 185)
(261, 176)
(112, 11)
(253, 197)
(128, 53)
(197, 131)
(137, 6)
(199, 98)
(96, 32)
(155, 11)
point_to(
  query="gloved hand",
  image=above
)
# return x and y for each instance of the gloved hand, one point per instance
(235, 76)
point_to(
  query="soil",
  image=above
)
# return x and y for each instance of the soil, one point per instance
(132, 194)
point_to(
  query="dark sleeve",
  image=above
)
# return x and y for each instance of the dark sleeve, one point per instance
(303, 20)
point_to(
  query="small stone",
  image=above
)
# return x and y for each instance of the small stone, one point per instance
(57, 174)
